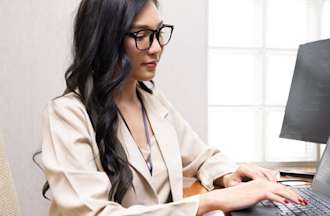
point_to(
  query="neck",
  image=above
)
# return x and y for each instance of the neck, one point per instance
(127, 94)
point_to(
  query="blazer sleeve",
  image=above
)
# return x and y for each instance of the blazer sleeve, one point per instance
(78, 187)
(198, 159)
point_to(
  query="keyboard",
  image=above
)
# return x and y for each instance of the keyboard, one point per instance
(317, 205)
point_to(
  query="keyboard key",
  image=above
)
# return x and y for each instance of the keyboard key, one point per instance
(317, 206)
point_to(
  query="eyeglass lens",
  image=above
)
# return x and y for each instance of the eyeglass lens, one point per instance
(144, 38)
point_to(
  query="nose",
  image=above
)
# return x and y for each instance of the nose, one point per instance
(155, 46)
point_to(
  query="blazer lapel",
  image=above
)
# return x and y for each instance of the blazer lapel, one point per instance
(135, 158)
(133, 154)
(167, 140)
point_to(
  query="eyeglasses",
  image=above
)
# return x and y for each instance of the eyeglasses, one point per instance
(145, 37)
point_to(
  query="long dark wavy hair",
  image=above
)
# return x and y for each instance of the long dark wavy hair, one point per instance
(99, 67)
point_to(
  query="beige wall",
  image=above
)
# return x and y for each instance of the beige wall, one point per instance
(34, 53)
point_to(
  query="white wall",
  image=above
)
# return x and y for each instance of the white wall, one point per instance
(183, 70)
(34, 53)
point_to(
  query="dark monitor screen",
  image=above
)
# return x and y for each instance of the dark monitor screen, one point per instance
(307, 113)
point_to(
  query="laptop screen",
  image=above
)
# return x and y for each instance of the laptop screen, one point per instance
(321, 182)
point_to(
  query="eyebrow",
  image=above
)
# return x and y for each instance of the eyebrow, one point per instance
(146, 26)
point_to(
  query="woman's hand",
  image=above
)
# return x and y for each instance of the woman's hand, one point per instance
(247, 194)
(249, 171)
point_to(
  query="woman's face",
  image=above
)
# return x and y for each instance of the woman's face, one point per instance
(144, 63)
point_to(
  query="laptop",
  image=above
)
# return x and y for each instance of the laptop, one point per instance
(318, 196)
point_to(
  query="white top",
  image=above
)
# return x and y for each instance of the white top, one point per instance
(159, 178)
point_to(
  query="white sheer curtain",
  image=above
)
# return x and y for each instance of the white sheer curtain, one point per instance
(252, 53)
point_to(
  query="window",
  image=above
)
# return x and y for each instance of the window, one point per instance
(252, 47)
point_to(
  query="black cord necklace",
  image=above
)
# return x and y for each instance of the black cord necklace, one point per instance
(146, 130)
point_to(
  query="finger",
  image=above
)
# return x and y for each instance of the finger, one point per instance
(251, 171)
(276, 198)
(270, 175)
(289, 194)
(234, 183)
(231, 180)
(277, 175)
(267, 173)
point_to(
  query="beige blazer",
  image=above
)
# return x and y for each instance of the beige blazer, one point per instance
(80, 187)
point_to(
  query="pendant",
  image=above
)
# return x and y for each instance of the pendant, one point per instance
(149, 165)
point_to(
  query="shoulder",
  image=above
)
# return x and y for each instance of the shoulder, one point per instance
(68, 105)
(70, 99)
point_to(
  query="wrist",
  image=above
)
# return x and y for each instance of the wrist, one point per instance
(205, 204)
(219, 199)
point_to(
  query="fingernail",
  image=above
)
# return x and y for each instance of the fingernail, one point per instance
(286, 201)
(303, 202)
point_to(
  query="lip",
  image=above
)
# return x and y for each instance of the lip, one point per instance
(150, 64)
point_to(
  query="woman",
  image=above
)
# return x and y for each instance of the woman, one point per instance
(114, 146)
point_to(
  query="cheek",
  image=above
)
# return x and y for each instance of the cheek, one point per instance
(132, 53)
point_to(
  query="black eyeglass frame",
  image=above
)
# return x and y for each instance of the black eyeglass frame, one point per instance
(152, 36)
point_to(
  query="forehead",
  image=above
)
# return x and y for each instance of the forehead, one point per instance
(148, 16)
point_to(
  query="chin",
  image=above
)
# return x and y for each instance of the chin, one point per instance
(148, 75)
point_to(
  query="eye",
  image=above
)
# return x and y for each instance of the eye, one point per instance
(141, 38)
(141, 35)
